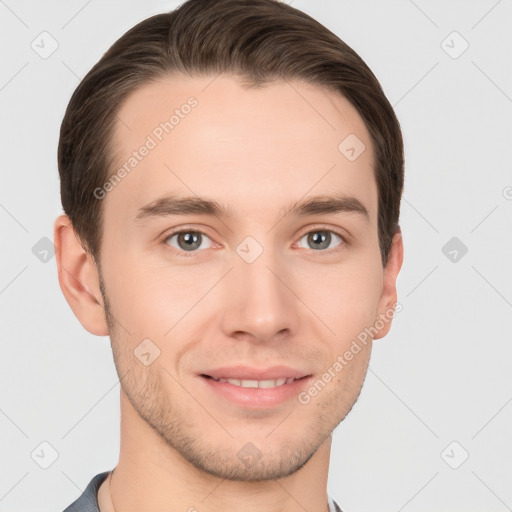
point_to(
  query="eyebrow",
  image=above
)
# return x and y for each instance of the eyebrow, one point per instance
(316, 205)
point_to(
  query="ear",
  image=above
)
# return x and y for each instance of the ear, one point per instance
(79, 278)
(388, 297)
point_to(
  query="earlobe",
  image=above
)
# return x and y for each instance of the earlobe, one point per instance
(388, 297)
(78, 278)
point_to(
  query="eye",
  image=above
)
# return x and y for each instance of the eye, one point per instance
(188, 240)
(321, 239)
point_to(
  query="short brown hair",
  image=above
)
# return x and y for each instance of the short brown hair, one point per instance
(257, 40)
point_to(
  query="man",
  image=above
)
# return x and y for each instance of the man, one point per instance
(231, 175)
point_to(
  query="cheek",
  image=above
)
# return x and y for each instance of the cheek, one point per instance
(131, 290)
(344, 298)
(151, 297)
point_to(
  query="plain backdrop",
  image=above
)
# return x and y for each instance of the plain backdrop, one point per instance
(431, 430)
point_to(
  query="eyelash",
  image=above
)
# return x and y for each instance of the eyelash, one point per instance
(188, 254)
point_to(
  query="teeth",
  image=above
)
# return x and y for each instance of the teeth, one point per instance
(257, 383)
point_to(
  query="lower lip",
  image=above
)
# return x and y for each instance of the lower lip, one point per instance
(256, 397)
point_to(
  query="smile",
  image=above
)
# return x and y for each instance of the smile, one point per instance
(257, 383)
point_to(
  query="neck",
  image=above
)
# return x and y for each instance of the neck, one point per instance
(153, 476)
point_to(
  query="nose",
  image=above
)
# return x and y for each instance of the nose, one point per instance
(259, 302)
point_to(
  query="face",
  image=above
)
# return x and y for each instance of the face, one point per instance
(242, 277)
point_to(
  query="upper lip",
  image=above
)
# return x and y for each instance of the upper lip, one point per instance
(247, 373)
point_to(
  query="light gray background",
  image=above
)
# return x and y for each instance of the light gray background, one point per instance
(441, 375)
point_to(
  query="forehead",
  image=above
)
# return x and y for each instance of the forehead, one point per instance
(254, 149)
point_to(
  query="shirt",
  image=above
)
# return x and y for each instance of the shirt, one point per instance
(88, 500)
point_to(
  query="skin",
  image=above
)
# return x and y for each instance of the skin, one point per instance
(255, 151)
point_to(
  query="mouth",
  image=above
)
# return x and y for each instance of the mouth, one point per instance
(251, 393)
(252, 383)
